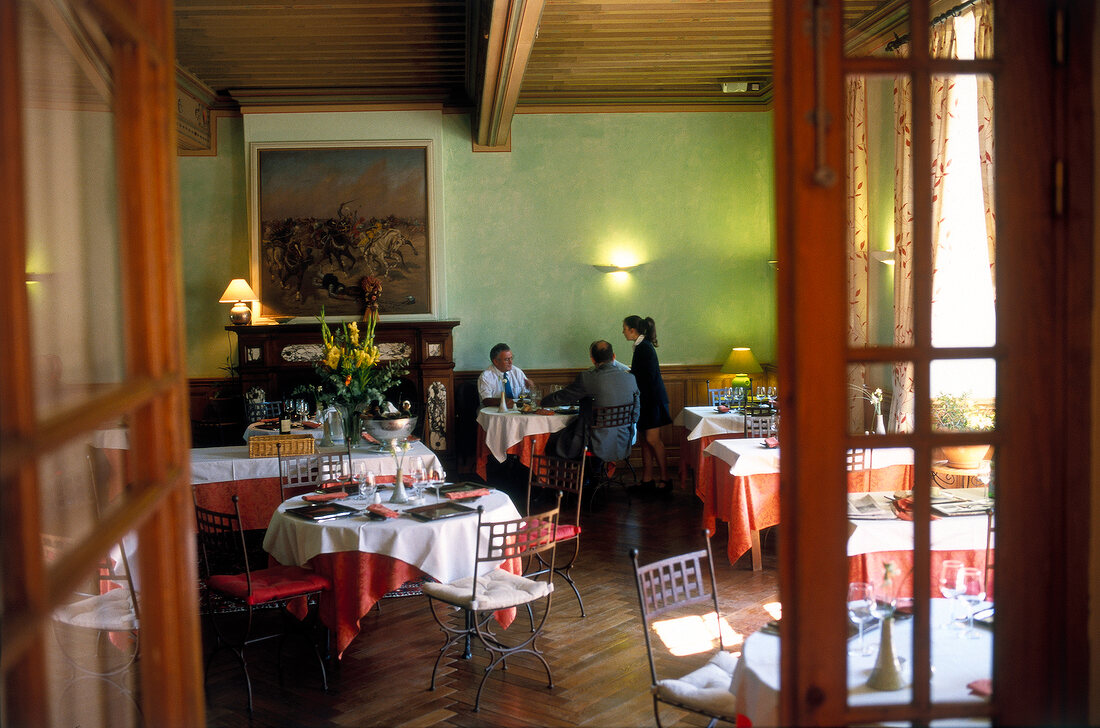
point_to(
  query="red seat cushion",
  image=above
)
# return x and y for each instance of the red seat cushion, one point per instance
(271, 584)
(566, 531)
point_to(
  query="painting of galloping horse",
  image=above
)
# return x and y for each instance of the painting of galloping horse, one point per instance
(330, 218)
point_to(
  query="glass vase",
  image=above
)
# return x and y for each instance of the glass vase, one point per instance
(399, 496)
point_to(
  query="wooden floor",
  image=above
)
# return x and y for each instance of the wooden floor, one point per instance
(601, 677)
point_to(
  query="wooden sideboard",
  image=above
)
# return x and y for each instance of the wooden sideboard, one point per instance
(280, 357)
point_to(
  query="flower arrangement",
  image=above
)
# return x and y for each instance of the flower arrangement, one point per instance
(350, 370)
(959, 412)
(875, 397)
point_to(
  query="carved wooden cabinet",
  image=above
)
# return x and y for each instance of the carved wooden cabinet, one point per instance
(280, 357)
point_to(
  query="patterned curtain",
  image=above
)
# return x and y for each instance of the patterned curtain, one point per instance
(857, 235)
(901, 406)
(983, 48)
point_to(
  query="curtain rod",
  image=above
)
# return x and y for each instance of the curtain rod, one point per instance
(902, 40)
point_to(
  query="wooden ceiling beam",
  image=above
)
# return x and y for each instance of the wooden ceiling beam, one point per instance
(512, 29)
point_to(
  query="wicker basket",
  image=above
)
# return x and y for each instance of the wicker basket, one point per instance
(269, 446)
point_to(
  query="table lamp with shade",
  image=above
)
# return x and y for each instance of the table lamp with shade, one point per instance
(240, 294)
(741, 363)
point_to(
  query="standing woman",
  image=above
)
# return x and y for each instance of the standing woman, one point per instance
(654, 399)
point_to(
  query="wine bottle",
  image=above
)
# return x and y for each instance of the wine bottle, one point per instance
(284, 420)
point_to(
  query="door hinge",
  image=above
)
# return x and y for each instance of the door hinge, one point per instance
(1059, 37)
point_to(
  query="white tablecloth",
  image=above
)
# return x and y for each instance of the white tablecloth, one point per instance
(222, 464)
(957, 662)
(954, 533)
(443, 549)
(706, 422)
(750, 457)
(504, 429)
(255, 429)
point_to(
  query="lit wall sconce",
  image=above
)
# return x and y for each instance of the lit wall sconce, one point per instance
(883, 256)
(773, 264)
(616, 268)
(240, 294)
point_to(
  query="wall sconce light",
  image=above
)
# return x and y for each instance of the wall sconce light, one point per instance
(239, 293)
(615, 268)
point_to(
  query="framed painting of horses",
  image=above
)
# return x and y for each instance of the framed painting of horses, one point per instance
(330, 220)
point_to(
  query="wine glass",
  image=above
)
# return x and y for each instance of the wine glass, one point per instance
(760, 394)
(860, 598)
(971, 589)
(949, 579)
(738, 397)
(772, 392)
(438, 478)
(359, 478)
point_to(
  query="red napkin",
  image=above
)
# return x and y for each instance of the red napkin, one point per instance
(323, 497)
(983, 687)
(382, 510)
(544, 412)
(903, 508)
(459, 495)
(311, 425)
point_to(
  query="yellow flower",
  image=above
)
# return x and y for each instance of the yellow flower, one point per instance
(353, 333)
(332, 357)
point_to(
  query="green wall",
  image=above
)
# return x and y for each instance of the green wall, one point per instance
(690, 196)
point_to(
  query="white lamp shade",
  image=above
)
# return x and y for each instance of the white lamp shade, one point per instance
(238, 290)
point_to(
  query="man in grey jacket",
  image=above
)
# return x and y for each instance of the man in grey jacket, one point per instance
(604, 385)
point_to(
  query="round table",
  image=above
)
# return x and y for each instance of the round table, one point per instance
(510, 432)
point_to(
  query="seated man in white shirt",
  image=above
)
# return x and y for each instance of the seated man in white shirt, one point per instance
(502, 372)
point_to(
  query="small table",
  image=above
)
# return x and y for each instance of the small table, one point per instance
(501, 433)
(745, 491)
(957, 663)
(219, 473)
(702, 426)
(367, 559)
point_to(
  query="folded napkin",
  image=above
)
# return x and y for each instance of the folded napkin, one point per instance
(381, 510)
(983, 687)
(323, 497)
(459, 495)
(543, 411)
(310, 425)
(903, 507)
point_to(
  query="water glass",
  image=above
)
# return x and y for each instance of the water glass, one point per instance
(971, 589)
(860, 598)
(949, 578)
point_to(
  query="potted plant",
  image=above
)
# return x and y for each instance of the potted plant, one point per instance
(960, 413)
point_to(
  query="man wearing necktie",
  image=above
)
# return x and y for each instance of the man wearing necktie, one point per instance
(501, 372)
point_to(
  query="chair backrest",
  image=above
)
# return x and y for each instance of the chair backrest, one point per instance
(560, 474)
(761, 425)
(516, 539)
(719, 396)
(614, 416)
(221, 542)
(257, 411)
(301, 473)
(858, 460)
(672, 584)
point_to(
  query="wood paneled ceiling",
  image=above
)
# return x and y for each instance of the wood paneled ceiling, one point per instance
(537, 55)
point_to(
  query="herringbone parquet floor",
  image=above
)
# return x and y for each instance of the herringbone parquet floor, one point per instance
(600, 672)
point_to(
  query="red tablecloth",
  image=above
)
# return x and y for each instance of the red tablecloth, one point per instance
(521, 448)
(359, 580)
(693, 459)
(868, 567)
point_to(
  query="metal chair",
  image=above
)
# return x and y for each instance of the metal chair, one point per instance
(480, 597)
(302, 473)
(257, 411)
(603, 418)
(761, 425)
(718, 396)
(677, 584)
(564, 477)
(226, 572)
(858, 460)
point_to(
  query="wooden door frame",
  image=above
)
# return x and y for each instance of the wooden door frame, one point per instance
(1045, 224)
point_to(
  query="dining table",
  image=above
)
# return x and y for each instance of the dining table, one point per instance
(956, 662)
(511, 432)
(367, 558)
(743, 489)
(219, 473)
(700, 426)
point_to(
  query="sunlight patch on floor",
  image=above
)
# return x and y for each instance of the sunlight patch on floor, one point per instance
(695, 634)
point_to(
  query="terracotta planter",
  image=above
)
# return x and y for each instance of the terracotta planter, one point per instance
(964, 457)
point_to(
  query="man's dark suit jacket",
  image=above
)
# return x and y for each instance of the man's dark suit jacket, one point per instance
(604, 386)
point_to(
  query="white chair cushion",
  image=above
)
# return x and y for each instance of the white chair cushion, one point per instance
(706, 689)
(111, 612)
(499, 589)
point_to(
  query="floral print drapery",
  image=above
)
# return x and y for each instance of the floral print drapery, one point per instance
(857, 239)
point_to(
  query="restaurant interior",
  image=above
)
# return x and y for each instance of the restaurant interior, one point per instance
(287, 240)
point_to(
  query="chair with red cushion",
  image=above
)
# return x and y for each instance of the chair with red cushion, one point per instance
(559, 475)
(227, 574)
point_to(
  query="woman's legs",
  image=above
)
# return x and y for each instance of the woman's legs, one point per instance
(653, 452)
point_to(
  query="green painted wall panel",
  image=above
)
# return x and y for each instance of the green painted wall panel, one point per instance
(690, 196)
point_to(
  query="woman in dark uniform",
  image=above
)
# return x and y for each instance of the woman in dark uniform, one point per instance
(653, 400)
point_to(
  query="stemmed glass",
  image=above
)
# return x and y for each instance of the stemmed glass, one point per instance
(949, 580)
(760, 394)
(738, 397)
(359, 478)
(772, 392)
(971, 589)
(438, 477)
(860, 598)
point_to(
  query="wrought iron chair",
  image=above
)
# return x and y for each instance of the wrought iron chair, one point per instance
(226, 572)
(676, 585)
(564, 477)
(761, 425)
(257, 411)
(604, 418)
(479, 597)
(858, 460)
(718, 396)
(302, 473)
